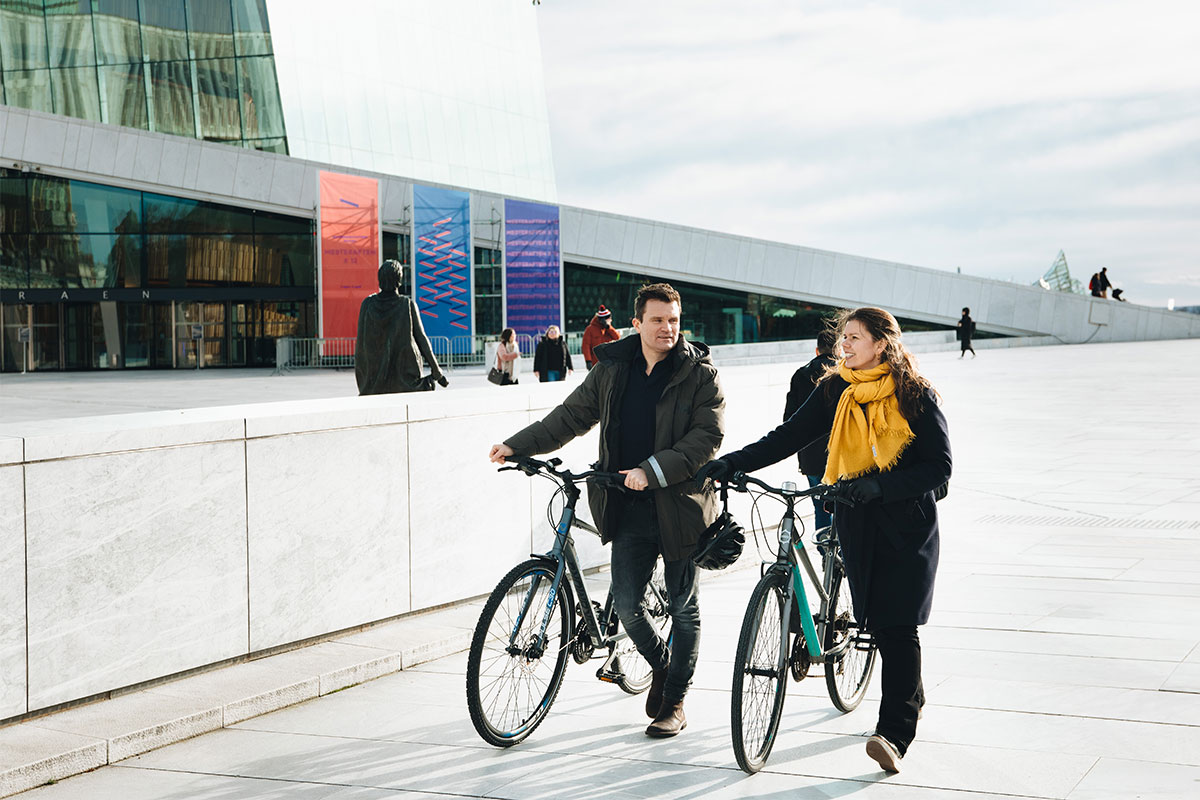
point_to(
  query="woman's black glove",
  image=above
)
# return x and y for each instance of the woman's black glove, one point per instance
(716, 469)
(864, 490)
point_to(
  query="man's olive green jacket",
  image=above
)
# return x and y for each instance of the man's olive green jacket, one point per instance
(689, 425)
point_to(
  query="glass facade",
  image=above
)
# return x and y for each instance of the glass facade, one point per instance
(198, 68)
(711, 314)
(110, 277)
(489, 292)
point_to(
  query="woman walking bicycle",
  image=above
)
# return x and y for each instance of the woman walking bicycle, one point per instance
(888, 442)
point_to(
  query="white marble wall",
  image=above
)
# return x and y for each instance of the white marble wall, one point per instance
(328, 531)
(12, 591)
(136, 567)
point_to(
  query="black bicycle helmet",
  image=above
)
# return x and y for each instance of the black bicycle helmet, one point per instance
(720, 544)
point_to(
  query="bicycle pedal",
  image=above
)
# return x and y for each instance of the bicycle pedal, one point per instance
(608, 676)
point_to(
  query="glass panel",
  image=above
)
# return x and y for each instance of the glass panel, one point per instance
(94, 261)
(171, 92)
(262, 114)
(166, 214)
(22, 35)
(29, 89)
(211, 316)
(13, 211)
(76, 93)
(269, 145)
(216, 82)
(123, 96)
(69, 28)
(118, 34)
(14, 263)
(13, 355)
(45, 351)
(285, 260)
(253, 30)
(197, 260)
(211, 26)
(164, 30)
(60, 205)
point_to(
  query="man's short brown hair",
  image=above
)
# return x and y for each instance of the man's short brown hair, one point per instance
(654, 291)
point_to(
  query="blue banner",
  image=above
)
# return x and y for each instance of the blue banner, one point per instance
(442, 256)
(532, 267)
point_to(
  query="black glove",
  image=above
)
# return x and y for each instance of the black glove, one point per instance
(442, 381)
(716, 469)
(864, 490)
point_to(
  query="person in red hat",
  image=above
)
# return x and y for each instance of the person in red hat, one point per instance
(598, 331)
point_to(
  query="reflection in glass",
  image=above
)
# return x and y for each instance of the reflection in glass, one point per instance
(166, 214)
(253, 32)
(92, 261)
(22, 35)
(12, 201)
(69, 30)
(211, 28)
(284, 260)
(195, 260)
(171, 98)
(45, 343)
(164, 30)
(123, 95)
(29, 89)
(118, 35)
(14, 266)
(216, 83)
(65, 205)
(262, 113)
(269, 145)
(76, 93)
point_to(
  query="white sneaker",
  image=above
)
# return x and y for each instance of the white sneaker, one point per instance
(884, 753)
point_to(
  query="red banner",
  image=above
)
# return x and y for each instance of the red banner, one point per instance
(349, 250)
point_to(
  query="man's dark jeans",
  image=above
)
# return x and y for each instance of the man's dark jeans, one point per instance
(903, 693)
(635, 550)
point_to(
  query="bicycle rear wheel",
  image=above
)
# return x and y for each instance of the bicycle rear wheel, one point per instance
(760, 673)
(511, 677)
(629, 662)
(848, 674)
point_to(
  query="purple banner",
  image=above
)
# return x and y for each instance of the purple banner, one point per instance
(533, 267)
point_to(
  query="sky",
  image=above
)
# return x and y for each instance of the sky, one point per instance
(981, 136)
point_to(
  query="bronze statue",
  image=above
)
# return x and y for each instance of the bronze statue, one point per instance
(390, 336)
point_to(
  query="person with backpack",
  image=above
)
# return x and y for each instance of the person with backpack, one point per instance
(889, 448)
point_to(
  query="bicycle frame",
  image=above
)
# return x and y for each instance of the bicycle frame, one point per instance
(792, 557)
(566, 562)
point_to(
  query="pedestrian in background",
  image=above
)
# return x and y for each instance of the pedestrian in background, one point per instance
(598, 331)
(1099, 284)
(966, 329)
(812, 457)
(551, 361)
(508, 357)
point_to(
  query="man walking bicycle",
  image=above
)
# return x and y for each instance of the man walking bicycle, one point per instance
(661, 412)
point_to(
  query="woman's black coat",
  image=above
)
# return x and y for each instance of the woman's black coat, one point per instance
(890, 545)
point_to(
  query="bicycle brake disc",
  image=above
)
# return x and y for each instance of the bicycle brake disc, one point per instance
(800, 660)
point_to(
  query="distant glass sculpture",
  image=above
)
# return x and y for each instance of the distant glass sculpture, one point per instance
(1058, 277)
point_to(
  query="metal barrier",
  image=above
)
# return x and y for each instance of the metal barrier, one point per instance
(292, 353)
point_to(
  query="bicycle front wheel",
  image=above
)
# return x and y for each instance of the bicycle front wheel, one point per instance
(848, 674)
(635, 670)
(760, 673)
(512, 675)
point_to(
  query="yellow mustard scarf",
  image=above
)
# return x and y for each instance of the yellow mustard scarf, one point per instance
(858, 441)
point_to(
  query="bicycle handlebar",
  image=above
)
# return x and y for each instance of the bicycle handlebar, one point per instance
(740, 481)
(532, 466)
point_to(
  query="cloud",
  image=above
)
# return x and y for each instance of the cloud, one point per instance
(935, 133)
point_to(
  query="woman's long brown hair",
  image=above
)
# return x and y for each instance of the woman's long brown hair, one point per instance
(910, 384)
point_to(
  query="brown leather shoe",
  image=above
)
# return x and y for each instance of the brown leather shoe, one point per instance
(670, 720)
(654, 694)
